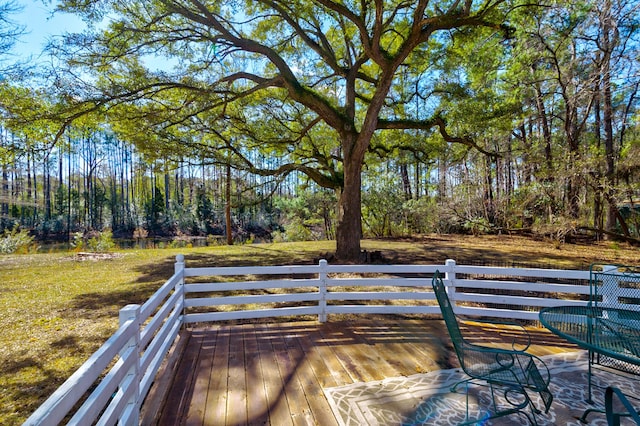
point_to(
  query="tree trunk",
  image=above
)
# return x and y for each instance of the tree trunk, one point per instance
(349, 231)
(406, 183)
(35, 190)
(23, 214)
(167, 186)
(442, 178)
(571, 132)
(607, 115)
(489, 199)
(546, 131)
(227, 207)
(5, 191)
(47, 188)
(69, 191)
(598, 222)
(418, 179)
(4, 194)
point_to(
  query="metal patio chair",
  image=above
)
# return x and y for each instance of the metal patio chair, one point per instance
(513, 373)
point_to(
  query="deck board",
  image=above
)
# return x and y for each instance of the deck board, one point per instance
(237, 381)
(180, 396)
(216, 403)
(202, 377)
(288, 361)
(274, 374)
(257, 400)
(317, 412)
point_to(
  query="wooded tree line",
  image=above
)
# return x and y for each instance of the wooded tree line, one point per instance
(323, 119)
(94, 180)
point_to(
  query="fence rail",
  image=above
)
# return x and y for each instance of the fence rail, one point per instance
(112, 384)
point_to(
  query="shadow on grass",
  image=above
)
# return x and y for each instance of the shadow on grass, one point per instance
(32, 392)
(107, 304)
(154, 273)
(69, 342)
(436, 250)
(162, 269)
(14, 365)
(427, 250)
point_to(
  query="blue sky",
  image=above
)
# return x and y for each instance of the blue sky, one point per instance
(40, 26)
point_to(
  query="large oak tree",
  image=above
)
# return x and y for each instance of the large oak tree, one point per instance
(322, 75)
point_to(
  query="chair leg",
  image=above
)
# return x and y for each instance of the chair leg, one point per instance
(583, 418)
(518, 407)
(534, 375)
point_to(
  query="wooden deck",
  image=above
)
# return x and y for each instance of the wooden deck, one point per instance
(274, 374)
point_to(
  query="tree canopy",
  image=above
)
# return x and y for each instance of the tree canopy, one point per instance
(10, 31)
(510, 106)
(327, 76)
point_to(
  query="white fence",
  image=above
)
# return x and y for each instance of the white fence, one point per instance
(114, 382)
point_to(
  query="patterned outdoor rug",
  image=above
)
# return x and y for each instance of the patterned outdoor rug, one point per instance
(426, 399)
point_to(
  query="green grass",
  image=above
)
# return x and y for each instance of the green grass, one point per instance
(56, 310)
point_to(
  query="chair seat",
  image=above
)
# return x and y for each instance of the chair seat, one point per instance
(504, 365)
(506, 368)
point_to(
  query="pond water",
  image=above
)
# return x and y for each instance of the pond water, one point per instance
(142, 243)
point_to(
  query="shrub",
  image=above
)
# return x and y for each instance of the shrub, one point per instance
(310, 215)
(297, 231)
(477, 225)
(180, 242)
(78, 241)
(421, 215)
(140, 233)
(101, 243)
(215, 240)
(13, 241)
(294, 231)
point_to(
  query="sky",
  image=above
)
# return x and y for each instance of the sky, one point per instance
(40, 26)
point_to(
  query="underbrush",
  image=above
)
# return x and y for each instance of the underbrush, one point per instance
(16, 241)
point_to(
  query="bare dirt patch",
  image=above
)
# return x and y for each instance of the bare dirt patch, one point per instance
(83, 256)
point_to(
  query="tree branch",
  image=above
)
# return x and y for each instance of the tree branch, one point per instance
(440, 123)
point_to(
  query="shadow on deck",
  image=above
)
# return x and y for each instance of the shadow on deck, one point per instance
(275, 373)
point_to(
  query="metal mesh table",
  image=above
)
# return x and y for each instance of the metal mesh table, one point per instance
(612, 332)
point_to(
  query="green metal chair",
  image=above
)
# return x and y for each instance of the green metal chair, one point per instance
(512, 372)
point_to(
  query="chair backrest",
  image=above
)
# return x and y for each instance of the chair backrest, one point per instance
(449, 316)
(615, 287)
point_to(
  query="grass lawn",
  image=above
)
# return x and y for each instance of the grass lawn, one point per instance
(56, 309)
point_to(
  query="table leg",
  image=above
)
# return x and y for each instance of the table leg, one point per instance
(589, 372)
(583, 418)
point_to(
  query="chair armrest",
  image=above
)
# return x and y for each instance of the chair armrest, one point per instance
(519, 342)
(612, 417)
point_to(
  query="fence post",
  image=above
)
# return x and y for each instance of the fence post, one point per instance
(179, 269)
(132, 312)
(450, 280)
(179, 265)
(322, 289)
